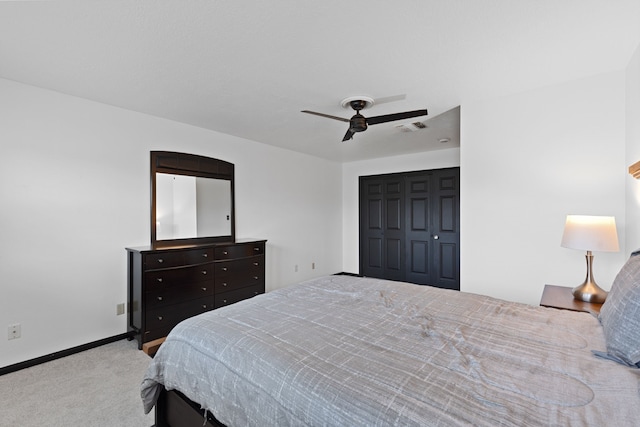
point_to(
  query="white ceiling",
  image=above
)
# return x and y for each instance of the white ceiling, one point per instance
(247, 68)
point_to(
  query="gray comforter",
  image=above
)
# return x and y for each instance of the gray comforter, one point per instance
(347, 351)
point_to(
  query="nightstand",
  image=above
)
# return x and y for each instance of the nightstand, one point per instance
(560, 297)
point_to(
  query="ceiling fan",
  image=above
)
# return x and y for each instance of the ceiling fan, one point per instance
(359, 123)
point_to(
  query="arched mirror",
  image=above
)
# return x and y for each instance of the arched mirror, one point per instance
(192, 200)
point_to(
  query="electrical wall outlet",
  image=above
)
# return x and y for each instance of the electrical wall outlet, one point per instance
(313, 265)
(119, 309)
(14, 331)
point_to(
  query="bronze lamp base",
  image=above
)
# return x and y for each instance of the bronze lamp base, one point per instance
(589, 291)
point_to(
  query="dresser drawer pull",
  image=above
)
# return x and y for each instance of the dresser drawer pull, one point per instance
(204, 289)
(205, 255)
(159, 298)
(160, 279)
(256, 264)
(159, 317)
(224, 268)
(224, 284)
(224, 301)
(255, 292)
(225, 253)
(204, 306)
(256, 249)
(204, 272)
(160, 260)
(255, 277)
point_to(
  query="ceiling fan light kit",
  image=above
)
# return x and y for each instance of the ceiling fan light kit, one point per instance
(359, 123)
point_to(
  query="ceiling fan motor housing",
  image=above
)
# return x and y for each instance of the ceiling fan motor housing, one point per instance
(358, 123)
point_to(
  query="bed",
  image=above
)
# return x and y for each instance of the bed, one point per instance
(350, 351)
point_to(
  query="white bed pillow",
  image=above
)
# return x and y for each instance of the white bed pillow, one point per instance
(620, 314)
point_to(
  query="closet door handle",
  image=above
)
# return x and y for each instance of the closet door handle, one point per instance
(436, 237)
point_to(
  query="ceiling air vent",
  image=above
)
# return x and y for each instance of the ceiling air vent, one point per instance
(411, 127)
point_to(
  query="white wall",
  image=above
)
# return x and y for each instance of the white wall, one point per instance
(351, 171)
(74, 185)
(633, 152)
(527, 161)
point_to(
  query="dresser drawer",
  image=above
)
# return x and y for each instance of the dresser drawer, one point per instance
(231, 297)
(167, 259)
(178, 276)
(198, 256)
(168, 295)
(224, 269)
(162, 318)
(239, 251)
(237, 282)
(239, 278)
(154, 334)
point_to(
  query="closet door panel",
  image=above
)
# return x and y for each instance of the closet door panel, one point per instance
(418, 233)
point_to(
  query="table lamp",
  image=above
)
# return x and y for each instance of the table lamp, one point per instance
(590, 233)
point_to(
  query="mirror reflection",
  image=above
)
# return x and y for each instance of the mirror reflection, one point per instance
(191, 206)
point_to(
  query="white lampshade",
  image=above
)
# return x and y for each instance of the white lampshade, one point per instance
(590, 233)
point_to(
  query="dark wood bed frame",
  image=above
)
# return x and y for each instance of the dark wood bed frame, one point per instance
(174, 409)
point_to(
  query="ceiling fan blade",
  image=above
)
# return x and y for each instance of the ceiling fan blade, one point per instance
(396, 116)
(328, 116)
(348, 135)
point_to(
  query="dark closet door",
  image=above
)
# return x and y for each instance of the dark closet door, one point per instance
(410, 227)
(382, 212)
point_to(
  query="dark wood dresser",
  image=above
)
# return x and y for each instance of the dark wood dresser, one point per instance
(169, 285)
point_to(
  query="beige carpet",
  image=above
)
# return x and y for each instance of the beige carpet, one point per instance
(98, 387)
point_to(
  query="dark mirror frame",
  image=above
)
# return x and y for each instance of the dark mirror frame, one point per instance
(190, 165)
